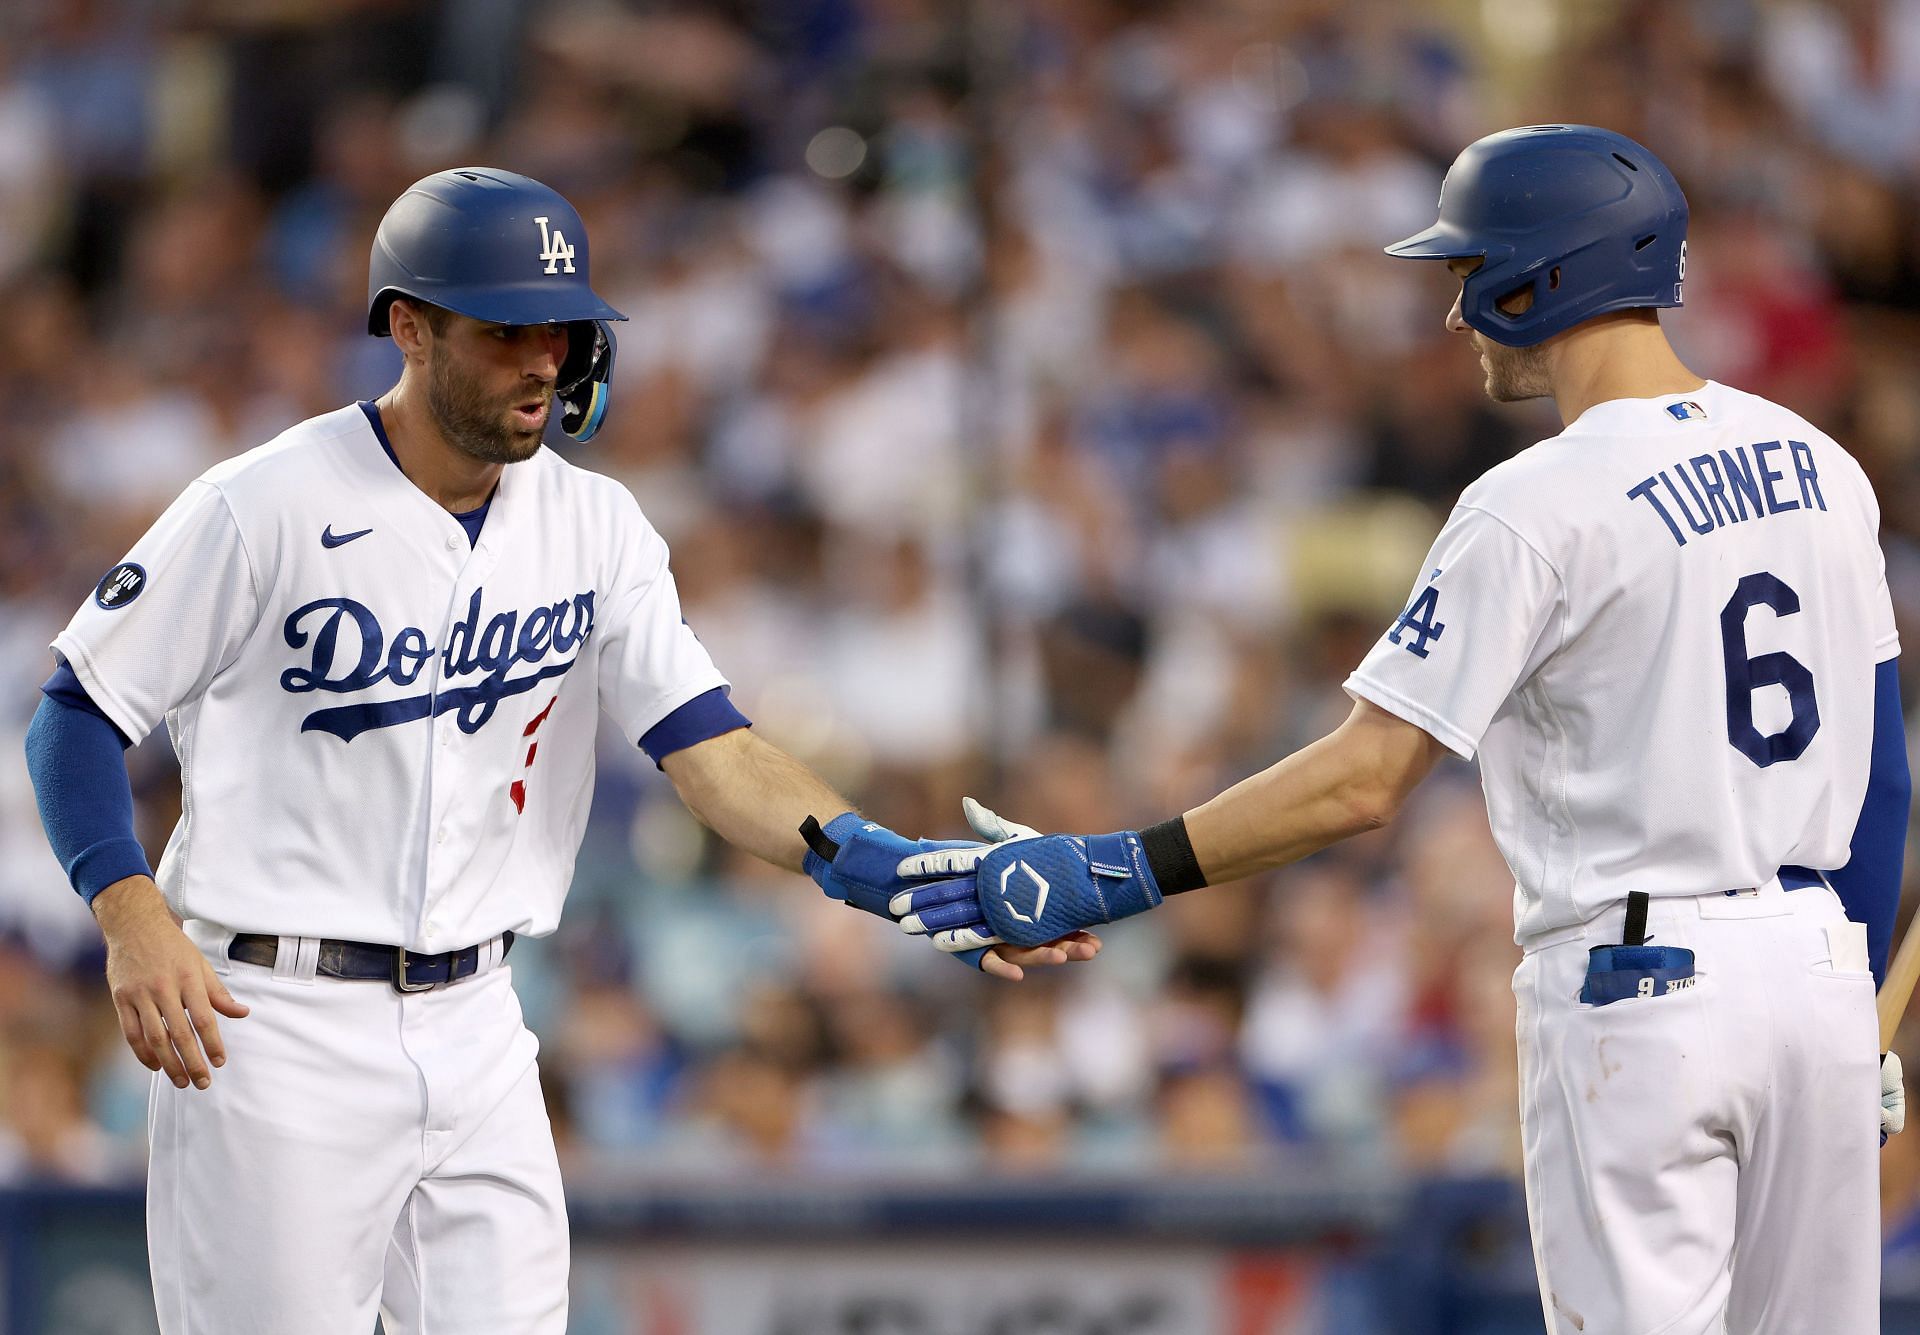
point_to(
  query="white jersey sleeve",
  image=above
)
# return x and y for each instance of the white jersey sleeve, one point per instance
(168, 618)
(651, 662)
(1886, 634)
(1485, 613)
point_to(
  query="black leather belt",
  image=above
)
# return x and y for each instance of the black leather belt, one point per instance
(406, 970)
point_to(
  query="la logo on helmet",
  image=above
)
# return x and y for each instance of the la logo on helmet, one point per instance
(554, 247)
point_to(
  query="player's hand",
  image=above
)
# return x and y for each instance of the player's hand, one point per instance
(164, 990)
(1893, 1097)
(940, 900)
(1004, 961)
(859, 863)
(1026, 890)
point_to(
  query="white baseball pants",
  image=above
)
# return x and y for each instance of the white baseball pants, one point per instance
(1706, 1161)
(360, 1152)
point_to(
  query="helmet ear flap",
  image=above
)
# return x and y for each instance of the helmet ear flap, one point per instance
(584, 377)
(1507, 307)
(1519, 298)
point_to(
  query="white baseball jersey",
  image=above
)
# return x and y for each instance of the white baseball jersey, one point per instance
(385, 733)
(1658, 630)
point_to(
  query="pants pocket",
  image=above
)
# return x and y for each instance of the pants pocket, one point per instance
(1846, 955)
(1617, 974)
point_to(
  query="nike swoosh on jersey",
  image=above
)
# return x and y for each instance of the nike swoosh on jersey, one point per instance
(328, 538)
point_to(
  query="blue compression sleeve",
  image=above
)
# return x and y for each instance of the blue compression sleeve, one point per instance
(1869, 885)
(64, 686)
(77, 761)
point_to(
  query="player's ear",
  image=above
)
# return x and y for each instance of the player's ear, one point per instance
(409, 326)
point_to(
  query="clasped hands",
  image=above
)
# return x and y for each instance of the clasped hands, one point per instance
(1019, 898)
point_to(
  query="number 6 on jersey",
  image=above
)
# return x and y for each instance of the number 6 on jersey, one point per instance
(1746, 675)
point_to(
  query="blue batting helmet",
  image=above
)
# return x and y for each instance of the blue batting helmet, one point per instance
(497, 246)
(1586, 218)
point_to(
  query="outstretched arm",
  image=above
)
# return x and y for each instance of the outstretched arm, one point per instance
(1350, 781)
(752, 794)
(1038, 888)
(756, 797)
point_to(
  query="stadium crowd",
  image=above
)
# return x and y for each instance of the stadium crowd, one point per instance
(1032, 415)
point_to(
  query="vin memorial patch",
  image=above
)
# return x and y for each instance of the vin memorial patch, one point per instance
(120, 586)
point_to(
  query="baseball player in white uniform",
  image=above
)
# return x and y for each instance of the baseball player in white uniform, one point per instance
(1666, 636)
(380, 643)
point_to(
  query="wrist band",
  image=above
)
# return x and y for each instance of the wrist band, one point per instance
(1170, 857)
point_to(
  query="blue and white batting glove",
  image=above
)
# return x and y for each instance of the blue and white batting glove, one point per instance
(1893, 1097)
(860, 863)
(1028, 890)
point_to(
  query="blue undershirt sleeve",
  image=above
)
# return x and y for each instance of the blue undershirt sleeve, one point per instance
(77, 761)
(1869, 885)
(64, 686)
(703, 717)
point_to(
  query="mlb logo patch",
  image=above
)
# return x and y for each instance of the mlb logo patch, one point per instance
(1686, 409)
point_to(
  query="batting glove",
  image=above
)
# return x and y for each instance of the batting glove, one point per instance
(1027, 890)
(862, 864)
(1893, 1097)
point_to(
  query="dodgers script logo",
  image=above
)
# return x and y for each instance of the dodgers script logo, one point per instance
(348, 652)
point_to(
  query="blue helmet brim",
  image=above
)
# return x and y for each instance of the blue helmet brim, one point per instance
(509, 304)
(1438, 242)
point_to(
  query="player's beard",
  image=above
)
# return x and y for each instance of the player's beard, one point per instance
(473, 422)
(1514, 374)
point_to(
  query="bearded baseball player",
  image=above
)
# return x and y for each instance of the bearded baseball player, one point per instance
(381, 643)
(1666, 635)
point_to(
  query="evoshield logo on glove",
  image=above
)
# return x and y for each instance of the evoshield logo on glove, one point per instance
(997, 892)
(1040, 894)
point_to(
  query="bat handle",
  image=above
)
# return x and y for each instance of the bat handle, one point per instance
(1897, 990)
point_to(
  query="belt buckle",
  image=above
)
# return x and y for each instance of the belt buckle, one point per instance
(400, 983)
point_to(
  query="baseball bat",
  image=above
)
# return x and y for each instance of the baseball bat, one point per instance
(1898, 987)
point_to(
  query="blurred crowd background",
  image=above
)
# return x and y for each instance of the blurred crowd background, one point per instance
(1032, 415)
